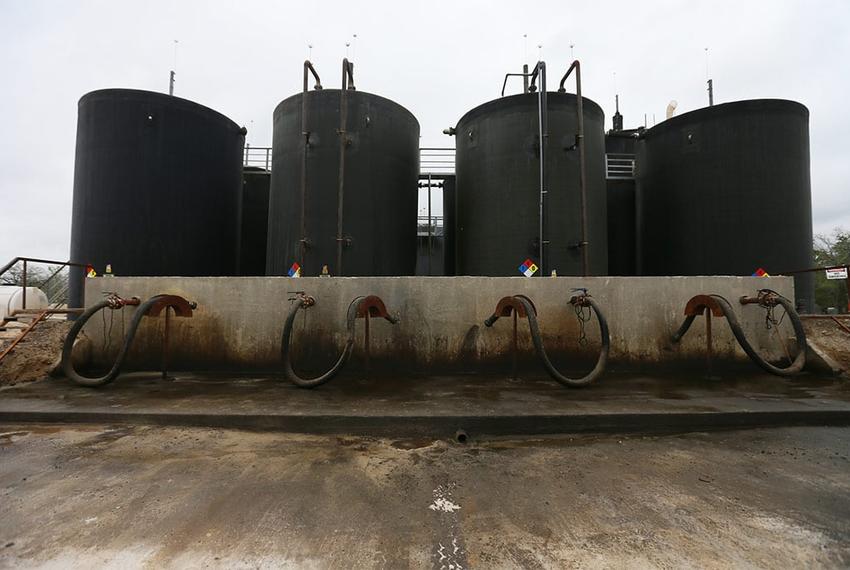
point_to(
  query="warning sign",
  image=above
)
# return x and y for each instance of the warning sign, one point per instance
(760, 273)
(837, 273)
(295, 270)
(528, 268)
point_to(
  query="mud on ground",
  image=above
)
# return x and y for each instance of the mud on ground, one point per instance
(830, 337)
(36, 356)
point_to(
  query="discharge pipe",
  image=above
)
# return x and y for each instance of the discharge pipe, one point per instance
(113, 302)
(359, 306)
(522, 304)
(767, 299)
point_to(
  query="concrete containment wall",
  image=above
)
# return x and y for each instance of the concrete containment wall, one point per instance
(239, 320)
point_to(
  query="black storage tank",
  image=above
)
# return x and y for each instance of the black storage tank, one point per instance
(498, 187)
(379, 185)
(157, 183)
(255, 221)
(725, 190)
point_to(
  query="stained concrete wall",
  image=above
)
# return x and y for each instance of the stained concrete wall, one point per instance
(239, 320)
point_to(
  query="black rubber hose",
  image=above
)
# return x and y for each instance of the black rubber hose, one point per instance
(601, 361)
(799, 332)
(286, 338)
(799, 361)
(686, 324)
(68, 347)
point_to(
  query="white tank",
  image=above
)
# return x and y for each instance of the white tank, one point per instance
(12, 298)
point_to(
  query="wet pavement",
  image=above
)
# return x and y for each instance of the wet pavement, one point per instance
(161, 497)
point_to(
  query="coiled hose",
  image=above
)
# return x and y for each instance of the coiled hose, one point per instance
(799, 333)
(289, 371)
(536, 338)
(68, 346)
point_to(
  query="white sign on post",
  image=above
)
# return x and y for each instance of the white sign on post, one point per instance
(837, 273)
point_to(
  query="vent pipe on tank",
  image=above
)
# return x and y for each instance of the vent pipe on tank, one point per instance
(543, 134)
(303, 244)
(585, 261)
(344, 141)
(618, 118)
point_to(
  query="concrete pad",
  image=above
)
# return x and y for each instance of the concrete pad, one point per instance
(438, 406)
(132, 497)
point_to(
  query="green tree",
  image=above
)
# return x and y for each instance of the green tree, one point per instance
(829, 250)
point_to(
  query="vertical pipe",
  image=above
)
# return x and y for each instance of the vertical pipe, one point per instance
(543, 135)
(302, 242)
(585, 262)
(710, 93)
(24, 291)
(343, 143)
(525, 78)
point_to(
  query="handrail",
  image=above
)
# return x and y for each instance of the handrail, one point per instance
(12, 263)
(26, 260)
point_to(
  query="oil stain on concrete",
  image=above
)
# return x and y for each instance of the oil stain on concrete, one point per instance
(204, 498)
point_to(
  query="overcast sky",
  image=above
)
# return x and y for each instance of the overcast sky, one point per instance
(438, 59)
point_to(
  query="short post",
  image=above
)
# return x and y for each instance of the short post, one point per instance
(24, 281)
(366, 341)
(165, 346)
(847, 268)
(515, 347)
(708, 348)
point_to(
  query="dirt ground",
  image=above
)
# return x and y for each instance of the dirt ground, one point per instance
(831, 337)
(36, 356)
(202, 498)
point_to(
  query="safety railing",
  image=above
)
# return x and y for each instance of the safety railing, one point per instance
(432, 160)
(52, 280)
(429, 227)
(619, 166)
(257, 156)
(436, 160)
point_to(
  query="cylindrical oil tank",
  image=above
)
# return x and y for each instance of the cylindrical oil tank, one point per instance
(725, 190)
(498, 187)
(255, 220)
(12, 299)
(370, 193)
(157, 183)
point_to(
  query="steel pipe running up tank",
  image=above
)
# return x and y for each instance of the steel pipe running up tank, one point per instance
(345, 166)
(499, 186)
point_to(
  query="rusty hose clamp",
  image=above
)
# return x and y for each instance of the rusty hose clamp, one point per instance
(115, 301)
(766, 298)
(580, 300)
